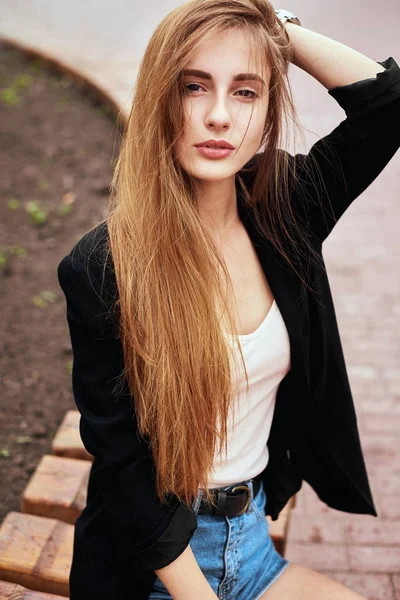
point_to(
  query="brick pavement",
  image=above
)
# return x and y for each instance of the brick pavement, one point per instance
(362, 257)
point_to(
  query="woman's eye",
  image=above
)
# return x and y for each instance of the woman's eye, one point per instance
(247, 91)
(251, 92)
(186, 87)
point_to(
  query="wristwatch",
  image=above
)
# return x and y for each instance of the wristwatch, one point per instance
(285, 15)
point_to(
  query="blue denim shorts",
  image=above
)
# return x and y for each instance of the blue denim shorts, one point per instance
(236, 554)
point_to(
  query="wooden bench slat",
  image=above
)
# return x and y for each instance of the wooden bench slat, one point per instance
(67, 441)
(13, 591)
(57, 488)
(36, 552)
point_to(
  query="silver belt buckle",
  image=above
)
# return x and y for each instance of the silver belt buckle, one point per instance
(243, 487)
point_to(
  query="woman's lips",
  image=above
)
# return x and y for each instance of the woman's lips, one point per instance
(208, 152)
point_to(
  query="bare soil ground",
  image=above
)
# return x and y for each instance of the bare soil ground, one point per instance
(58, 148)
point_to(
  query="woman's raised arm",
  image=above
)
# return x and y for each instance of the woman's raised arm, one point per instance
(341, 165)
(329, 61)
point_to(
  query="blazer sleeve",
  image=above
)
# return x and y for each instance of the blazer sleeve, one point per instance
(341, 165)
(152, 533)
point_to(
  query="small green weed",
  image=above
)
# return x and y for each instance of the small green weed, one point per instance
(19, 251)
(22, 81)
(42, 300)
(38, 213)
(13, 204)
(9, 96)
(23, 439)
(43, 184)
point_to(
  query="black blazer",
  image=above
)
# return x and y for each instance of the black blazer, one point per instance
(124, 533)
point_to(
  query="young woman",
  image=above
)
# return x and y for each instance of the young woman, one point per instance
(200, 310)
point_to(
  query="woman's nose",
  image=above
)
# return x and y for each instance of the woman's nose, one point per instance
(219, 115)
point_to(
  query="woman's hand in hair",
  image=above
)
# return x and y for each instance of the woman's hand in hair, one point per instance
(329, 61)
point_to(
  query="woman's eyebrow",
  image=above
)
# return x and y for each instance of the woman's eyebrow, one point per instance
(239, 77)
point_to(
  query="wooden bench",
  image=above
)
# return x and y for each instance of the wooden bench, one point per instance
(57, 489)
(67, 441)
(36, 545)
(36, 552)
(12, 591)
(46, 495)
(279, 529)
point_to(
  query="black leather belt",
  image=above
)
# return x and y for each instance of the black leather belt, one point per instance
(231, 501)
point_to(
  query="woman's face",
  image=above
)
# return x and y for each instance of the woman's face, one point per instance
(219, 107)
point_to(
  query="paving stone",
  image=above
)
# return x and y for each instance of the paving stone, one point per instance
(394, 388)
(379, 533)
(364, 372)
(318, 556)
(317, 529)
(392, 374)
(376, 404)
(387, 421)
(387, 480)
(373, 587)
(380, 450)
(396, 586)
(374, 559)
(390, 507)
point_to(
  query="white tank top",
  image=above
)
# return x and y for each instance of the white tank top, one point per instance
(266, 352)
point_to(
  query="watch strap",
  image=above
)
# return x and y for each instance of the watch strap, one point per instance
(285, 15)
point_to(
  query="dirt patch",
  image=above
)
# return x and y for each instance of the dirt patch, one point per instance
(58, 150)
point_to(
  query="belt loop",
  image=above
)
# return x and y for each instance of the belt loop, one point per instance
(196, 503)
(250, 483)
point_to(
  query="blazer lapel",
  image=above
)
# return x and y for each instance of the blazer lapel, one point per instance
(286, 288)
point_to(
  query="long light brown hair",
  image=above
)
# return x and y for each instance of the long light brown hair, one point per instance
(167, 266)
